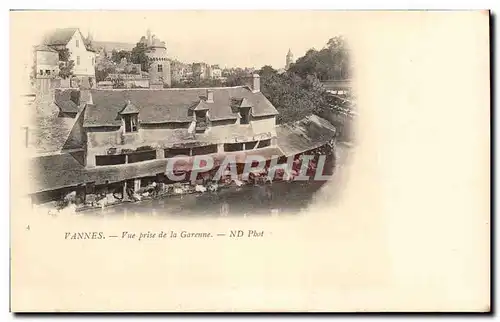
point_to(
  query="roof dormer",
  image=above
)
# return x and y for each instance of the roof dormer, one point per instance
(201, 106)
(129, 108)
(130, 117)
(243, 107)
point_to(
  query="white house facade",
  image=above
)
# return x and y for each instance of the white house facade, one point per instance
(80, 50)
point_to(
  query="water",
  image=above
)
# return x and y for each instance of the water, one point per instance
(268, 199)
(262, 200)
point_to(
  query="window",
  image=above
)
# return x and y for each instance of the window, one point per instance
(141, 156)
(170, 153)
(202, 150)
(109, 159)
(160, 68)
(41, 71)
(264, 143)
(47, 71)
(77, 43)
(78, 60)
(245, 116)
(231, 147)
(130, 123)
(250, 145)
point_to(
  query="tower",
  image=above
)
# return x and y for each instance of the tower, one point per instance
(289, 59)
(159, 70)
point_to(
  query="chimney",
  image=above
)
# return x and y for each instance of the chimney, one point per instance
(255, 83)
(26, 135)
(210, 96)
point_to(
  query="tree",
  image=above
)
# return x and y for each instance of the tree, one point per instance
(65, 65)
(118, 82)
(293, 96)
(66, 69)
(117, 56)
(139, 56)
(64, 54)
(267, 70)
(340, 53)
(102, 74)
(330, 63)
(236, 77)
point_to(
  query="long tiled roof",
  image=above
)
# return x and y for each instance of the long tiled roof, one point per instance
(66, 170)
(109, 45)
(129, 109)
(45, 48)
(337, 84)
(171, 105)
(304, 135)
(48, 131)
(60, 36)
(67, 100)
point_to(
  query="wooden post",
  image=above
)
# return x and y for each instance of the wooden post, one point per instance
(125, 195)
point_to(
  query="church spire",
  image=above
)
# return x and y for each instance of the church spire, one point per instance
(148, 34)
(289, 59)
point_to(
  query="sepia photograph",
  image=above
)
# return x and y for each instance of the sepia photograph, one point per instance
(249, 161)
(127, 125)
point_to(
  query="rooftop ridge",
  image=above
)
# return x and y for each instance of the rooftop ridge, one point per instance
(165, 89)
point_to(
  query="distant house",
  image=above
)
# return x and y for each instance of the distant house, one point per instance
(80, 49)
(47, 61)
(337, 87)
(216, 72)
(109, 46)
(201, 70)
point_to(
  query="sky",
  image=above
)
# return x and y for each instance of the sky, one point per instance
(227, 38)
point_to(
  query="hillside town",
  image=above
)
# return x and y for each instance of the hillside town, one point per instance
(114, 123)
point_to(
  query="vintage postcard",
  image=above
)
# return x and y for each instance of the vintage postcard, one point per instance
(250, 161)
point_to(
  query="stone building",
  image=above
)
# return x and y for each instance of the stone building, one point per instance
(159, 70)
(201, 71)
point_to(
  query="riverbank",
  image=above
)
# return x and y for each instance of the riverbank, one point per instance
(278, 198)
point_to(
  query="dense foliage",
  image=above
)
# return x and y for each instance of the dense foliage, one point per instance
(329, 63)
(138, 56)
(65, 65)
(298, 92)
(64, 54)
(102, 73)
(294, 97)
(237, 77)
(117, 56)
(66, 69)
